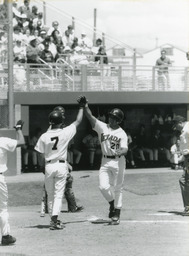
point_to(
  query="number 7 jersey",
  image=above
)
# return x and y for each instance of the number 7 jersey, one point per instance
(110, 139)
(54, 143)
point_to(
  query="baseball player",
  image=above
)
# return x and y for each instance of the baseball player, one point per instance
(183, 127)
(7, 144)
(69, 194)
(113, 140)
(54, 144)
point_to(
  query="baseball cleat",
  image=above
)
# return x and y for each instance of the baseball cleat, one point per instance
(7, 240)
(185, 212)
(78, 209)
(58, 225)
(116, 217)
(115, 222)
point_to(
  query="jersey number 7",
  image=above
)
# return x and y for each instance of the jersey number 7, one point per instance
(55, 143)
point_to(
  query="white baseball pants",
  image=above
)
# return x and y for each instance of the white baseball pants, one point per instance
(111, 180)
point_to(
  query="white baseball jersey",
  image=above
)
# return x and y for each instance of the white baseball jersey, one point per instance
(6, 144)
(184, 139)
(110, 139)
(54, 143)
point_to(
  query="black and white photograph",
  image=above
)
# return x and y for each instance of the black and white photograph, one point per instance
(94, 127)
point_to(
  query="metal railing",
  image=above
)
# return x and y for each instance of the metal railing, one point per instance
(66, 77)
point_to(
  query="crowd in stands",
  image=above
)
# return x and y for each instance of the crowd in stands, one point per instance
(34, 43)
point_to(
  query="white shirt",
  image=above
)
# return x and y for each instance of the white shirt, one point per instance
(54, 143)
(110, 139)
(184, 139)
(6, 144)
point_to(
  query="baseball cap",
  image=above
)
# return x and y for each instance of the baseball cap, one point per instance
(177, 119)
(33, 38)
(70, 27)
(43, 32)
(55, 23)
(67, 48)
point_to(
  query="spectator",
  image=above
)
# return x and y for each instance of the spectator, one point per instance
(36, 35)
(42, 36)
(34, 12)
(142, 147)
(17, 35)
(177, 157)
(75, 43)
(101, 57)
(85, 42)
(68, 36)
(16, 17)
(95, 48)
(78, 58)
(55, 26)
(25, 8)
(162, 65)
(52, 46)
(38, 20)
(26, 37)
(92, 145)
(19, 51)
(46, 55)
(55, 35)
(58, 42)
(24, 23)
(67, 53)
(60, 53)
(38, 27)
(32, 52)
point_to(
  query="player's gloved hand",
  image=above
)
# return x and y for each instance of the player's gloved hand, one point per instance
(82, 101)
(19, 125)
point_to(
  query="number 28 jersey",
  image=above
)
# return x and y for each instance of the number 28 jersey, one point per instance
(110, 139)
(54, 143)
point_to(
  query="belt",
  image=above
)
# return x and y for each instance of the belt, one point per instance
(60, 161)
(112, 157)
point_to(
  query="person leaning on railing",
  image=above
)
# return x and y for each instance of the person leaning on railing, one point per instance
(162, 65)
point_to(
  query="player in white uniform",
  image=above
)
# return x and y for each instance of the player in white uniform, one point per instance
(113, 140)
(7, 144)
(54, 144)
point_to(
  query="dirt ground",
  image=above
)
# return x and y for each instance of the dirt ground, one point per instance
(151, 220)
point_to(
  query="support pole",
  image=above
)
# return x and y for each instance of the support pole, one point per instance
(10, 66)
(94, 32)
(44, 13)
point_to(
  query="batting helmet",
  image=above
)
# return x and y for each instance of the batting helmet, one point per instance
(61, 110)
(55, 117)
(117, 114)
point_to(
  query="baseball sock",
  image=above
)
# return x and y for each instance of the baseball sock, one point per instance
(54, 218)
